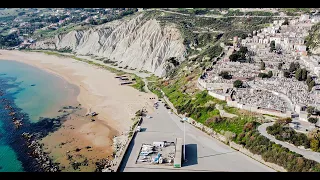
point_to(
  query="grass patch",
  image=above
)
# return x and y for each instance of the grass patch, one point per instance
(231, 110)
(139, 84)
(152, 78)
(234, 125)
(198, 105)
(270, 115)
(152, 86)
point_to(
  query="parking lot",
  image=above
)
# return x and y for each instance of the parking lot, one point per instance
(159, 156)
(203, 153)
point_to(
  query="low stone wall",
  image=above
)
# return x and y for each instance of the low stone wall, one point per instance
(214, 85)
(119, 159)
(218, 96)
(255, 109)
(256, 157)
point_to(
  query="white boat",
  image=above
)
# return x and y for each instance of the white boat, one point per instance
(146, 153)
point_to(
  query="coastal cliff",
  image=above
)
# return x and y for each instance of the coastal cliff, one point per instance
(136, 42)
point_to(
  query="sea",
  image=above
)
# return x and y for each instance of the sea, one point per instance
(36, 98)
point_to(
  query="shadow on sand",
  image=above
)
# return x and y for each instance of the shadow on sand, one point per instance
(191, 155)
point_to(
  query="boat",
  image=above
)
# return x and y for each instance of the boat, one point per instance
(145, 153)
(94, 114)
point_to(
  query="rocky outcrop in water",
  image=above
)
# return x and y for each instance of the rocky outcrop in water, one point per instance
(44, 162)
(137, 43)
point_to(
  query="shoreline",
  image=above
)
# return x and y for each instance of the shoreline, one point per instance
(99, 92)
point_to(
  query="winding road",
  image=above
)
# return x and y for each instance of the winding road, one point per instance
(217, 16)
(306, 153)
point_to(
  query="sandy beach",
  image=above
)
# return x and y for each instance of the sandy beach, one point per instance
(99, 92)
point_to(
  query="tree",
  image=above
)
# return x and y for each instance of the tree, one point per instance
(234, 57)
(298, 74)
(284, 121)
(309, 79)
(286, 74)
(286, 22)
(263, 75)
(243, 36)
(313, 120)
(243, 50)
(237, 84)
(304, 74)
(294, 66)
(262, 65)
(280, 66)
(225, 75)
(314, 144)
(272, 46)
(311, 85)
(297, 65)
(311, 109)
(270, 74)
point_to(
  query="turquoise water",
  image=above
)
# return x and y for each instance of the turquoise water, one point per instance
(45, 98)
(37, 94)
(8, 159)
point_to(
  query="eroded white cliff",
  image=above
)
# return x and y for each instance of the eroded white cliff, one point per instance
(136, 42)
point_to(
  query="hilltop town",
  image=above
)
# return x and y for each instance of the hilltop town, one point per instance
(20, 27)
(275, 73)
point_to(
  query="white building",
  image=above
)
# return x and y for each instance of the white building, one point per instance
(301, 48)
(312, 63)
(304, 17)
(315, 19)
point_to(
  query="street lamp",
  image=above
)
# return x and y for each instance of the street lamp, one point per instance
(184, 138)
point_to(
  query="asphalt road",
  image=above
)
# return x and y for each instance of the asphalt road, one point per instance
(306, 153)
(203, 153)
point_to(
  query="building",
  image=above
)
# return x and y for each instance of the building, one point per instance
(312, 63)
(301, 48)
(304, 17)
(303, 116)
(300, 108)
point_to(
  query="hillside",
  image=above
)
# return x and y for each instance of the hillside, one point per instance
(136, 42)
(313, 40)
